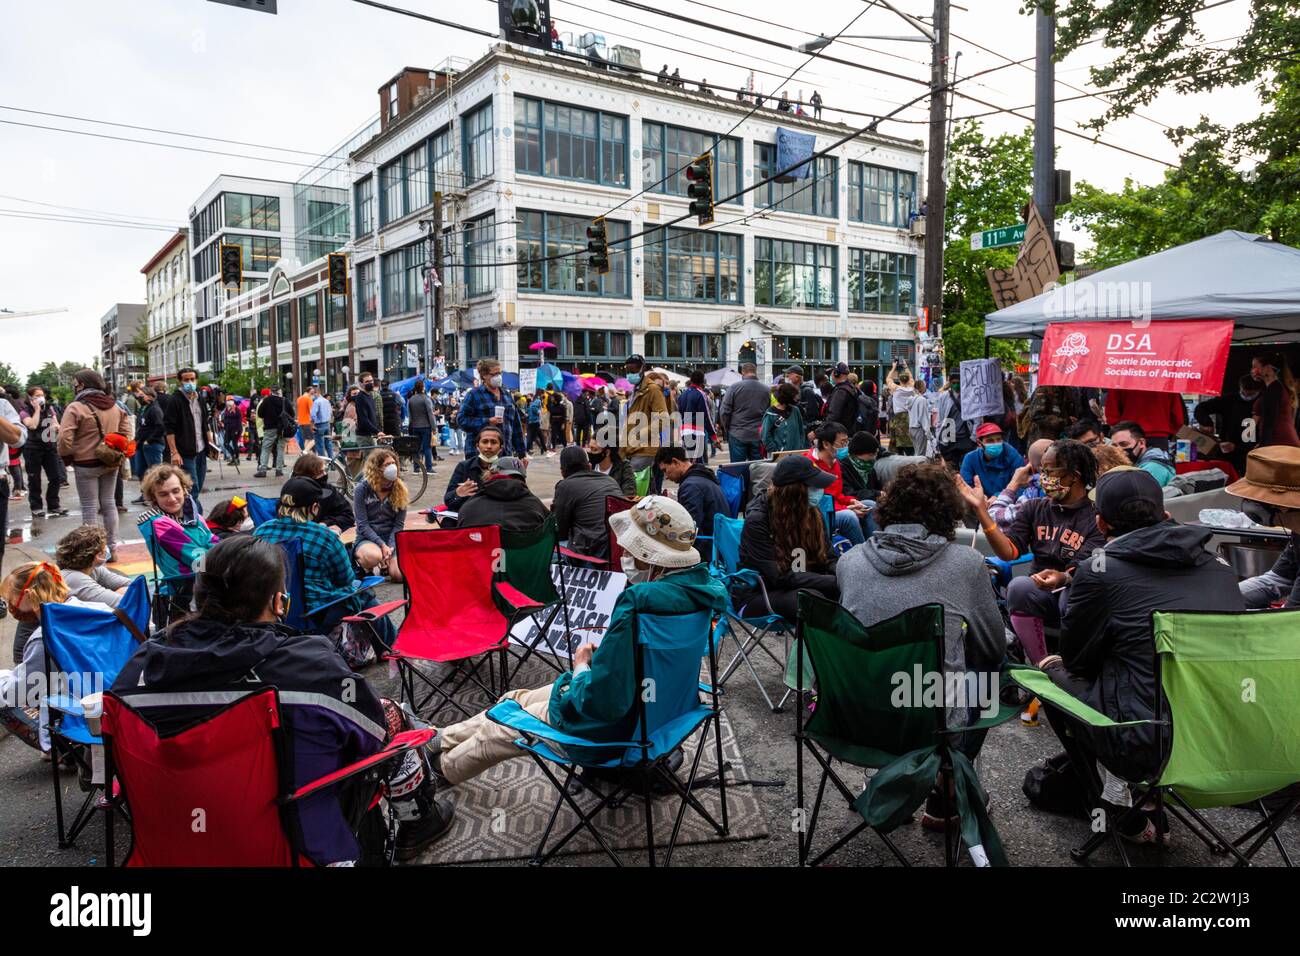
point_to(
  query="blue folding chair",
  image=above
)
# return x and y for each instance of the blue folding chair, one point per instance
(666, 653)
(754, 627)
(300, 616)
(85, 649)
(260, 509)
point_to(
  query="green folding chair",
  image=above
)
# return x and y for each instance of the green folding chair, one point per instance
(860, 720)
(527, 559)
(1229, 683)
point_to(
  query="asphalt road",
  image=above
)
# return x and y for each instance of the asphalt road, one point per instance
(1031, 837)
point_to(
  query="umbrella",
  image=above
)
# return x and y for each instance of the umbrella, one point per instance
(722, 377)
(572, 385)
(671, 376)
(623, 385)
(593, 383)
(537, 346)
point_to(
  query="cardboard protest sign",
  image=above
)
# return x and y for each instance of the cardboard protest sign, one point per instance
(590, 595)
(1177, 356)
(1035, 265)
(981, 388)
(527, 381)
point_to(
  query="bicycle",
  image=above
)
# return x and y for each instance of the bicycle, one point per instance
(344, 468)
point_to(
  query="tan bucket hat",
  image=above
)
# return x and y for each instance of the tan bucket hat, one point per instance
(1272, 476)
(658, 531)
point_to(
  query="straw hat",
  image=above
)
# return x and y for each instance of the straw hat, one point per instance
(658, 531)
(1272, 476)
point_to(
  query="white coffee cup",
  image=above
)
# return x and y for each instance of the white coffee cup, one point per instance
(499, 411)
(92, 708)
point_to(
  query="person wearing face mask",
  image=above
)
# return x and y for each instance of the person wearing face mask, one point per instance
(784, 539)
(233, 644)
(1129, 438)
(1275, 409)
(602, 452)
(1060, 530)
(858, 467)
(830, 452)
(504, 500)
(335, 510)
(783, 425)
(1024, 486)
(644, 423)
(379, 503)
(490, 403)
(229, 518)
(369, 408)
(1272, 475)
(1230, 417)
(467, 477)
(188, 429)
(994, 462)
(596, 700)
(698, 491)
(579, 504)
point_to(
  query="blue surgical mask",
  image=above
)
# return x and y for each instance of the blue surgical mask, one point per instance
(634, 378)
(188, 386)
(815, 497)
(842, 453)
(993, 449)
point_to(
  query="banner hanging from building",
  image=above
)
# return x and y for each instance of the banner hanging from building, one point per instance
(1180, 356)
(791, 148)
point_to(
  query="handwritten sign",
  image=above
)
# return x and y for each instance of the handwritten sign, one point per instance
(981, 388)
(527, 381)
(590, 596)
(1035, 265)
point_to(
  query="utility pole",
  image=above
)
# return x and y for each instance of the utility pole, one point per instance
(432, 283)
(1045, 119)
(437, 265)
(937, 188)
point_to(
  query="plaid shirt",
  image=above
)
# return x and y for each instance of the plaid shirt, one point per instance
(325, 560)
(480, 405)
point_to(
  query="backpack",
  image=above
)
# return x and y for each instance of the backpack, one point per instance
(1054, 786)
(868, 419)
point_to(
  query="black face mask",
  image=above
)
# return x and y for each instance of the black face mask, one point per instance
(595, 457)
(369, 386)
(1133, 454)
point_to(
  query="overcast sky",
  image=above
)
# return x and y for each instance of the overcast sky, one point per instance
(307, 77)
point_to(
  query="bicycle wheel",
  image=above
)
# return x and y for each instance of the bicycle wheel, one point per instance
(416, 480)
(337, 477)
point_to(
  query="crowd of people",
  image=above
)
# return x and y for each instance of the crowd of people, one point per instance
(869, 486)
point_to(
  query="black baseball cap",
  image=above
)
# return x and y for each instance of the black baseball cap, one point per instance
(635, 359)
(794, 370)
(1120, 485)
(840, 369)
(301, 492)
(798, 470)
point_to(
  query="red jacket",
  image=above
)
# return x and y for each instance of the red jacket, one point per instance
(1160, 414)
(836, 488)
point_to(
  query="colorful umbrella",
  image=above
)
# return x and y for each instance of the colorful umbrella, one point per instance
(538, 346)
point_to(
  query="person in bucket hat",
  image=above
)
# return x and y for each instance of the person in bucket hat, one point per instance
(597, 699)
(1272, 492)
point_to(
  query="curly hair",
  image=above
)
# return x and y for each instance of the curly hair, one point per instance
(1077, 458)
(158, 474)
(795, 526)
(30, 585)
(79, 548)
(922, 493)
(376, 461)
(1108, 457)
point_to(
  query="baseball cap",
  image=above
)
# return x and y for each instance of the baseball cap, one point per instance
(987, 429)
(798, 470)
(841, 368)
(300, 492)
(794, 370)
(509, 465)
(635, 359)
(1120, 485)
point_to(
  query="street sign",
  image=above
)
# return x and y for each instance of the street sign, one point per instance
(1002, 236)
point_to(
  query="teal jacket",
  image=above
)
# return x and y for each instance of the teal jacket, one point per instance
(783, 432)
(599, 703)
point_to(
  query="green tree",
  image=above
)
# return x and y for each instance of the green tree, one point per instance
(237, 380)
(989, 181)
(9, 375)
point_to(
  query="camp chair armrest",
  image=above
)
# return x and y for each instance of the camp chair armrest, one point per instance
(1041, 686)
(363, 585)
(570, 553)
(508, 713)
(375, 613)
(65, 704)
(516, 598)
(407, 740)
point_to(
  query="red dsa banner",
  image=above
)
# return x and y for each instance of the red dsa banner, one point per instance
(1182, 356)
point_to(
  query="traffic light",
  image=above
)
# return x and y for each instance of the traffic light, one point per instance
(1064, 254)
(700, 173)
(232, 265)
(338, 271)
(598, 246)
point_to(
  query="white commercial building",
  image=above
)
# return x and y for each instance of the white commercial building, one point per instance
(527, 148)
(168, 304)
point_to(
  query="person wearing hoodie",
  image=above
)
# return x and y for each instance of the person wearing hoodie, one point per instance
(994, 462)
(914, 560)
(1107, 652)
(901, 393)
(597, 699)
(842, 406)
(698, 432)
(858, 467)
(698, 491)
(783, 426)
(784, 539)
(647, 418)
(234, 645)
(579, 504)
(505, 500)
(88, 420)
(1129, 438)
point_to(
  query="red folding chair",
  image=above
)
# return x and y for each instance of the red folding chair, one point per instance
(613, 505)
(454, 614)
(228, 768)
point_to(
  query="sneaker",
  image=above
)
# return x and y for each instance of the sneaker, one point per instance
(279, 472)
(1146, 827)
(123, 509)
(259, 474)
(18, 496)
(38, 514)
(1029, 716)
(138, 501)
(414, 836)
(62, 512)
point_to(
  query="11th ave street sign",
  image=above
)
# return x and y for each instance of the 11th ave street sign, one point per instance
(1002, 236)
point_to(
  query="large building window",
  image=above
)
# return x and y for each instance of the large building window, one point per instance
(544, 235)
(404, 184)
(668, 150)
(283, 324)
(595, 346)
(480, 255)
(443, 150)
(366, 296)
(260, 253)
(336, 312)
(815, 354)
(881, 282)
(567, 142)
(680, 348)
(477, 131)
(885, 197)
(252, 212)
(403, 279)
(263, 328)
(683, 265)
(308, 315)
(794, 275)
(814, 196)
(365, 200)
(481, 343)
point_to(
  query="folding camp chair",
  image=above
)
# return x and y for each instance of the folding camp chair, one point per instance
(1230, 685)
(861, 720)
(230, 764)
(748, 626)
(260, 509)
(527, 567)
(613, 505)
(172, 594)
(667, 653)
(85, 649)
(302, 616)
(454, 600)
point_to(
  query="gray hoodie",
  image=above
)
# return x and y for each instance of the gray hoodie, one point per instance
(904, 566)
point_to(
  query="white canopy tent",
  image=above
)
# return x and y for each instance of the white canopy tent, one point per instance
(1232, 275)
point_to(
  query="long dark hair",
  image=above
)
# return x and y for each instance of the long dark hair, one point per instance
(796, 526)
(237, 580)
(89, 378)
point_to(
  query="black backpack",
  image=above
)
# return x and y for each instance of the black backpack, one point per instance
(868, 419)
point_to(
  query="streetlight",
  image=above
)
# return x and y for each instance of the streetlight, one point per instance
(812, 46)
